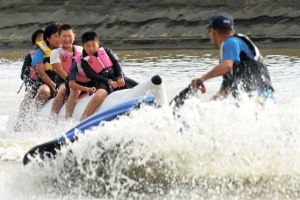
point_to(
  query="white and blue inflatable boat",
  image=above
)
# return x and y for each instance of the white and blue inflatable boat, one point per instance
(151, 91)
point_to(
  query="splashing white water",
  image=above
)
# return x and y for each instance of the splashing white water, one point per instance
(216, 146)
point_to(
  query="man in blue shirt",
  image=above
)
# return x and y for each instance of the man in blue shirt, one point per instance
(241, 63)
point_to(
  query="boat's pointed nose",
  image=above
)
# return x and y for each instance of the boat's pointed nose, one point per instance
(156, 80)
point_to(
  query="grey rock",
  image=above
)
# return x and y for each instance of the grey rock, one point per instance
(153, 24)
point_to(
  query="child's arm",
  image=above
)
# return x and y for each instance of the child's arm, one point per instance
(116, 64)
(56, 63)
(76, 86)
(117, 68)
(42, 74)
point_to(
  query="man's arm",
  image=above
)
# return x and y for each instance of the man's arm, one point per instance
(223, 68)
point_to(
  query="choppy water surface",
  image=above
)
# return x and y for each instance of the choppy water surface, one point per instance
(215, 150)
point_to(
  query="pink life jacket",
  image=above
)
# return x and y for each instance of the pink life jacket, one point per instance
(32, 70)
(100, 63)
(66, 58)
(80, 77)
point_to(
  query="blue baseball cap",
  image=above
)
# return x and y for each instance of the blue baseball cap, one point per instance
(221, 20)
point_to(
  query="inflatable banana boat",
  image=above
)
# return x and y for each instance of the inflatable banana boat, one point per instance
(151, 91)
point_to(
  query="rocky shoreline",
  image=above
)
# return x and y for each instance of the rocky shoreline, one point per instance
(167, 24)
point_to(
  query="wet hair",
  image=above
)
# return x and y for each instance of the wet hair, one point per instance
(64, 27)
(89, 36)
(49, 30)
(35, 35)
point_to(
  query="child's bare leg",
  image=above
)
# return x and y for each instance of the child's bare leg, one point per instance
(42, 96)
(59, 100)
(71, 102)
(94, 103)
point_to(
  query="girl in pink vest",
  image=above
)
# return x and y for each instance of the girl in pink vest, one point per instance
(30, 77)
(61, 60)
(29, 74)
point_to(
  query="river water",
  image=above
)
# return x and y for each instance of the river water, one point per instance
(215, 150)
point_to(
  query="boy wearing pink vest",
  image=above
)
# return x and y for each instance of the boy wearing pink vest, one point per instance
(100, 66)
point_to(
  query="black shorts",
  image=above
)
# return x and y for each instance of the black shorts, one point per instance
(40, 82)
(106, 87)
(35, 87)
(30, 86)
(129, 83)
(87, 84)
(59, 81)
